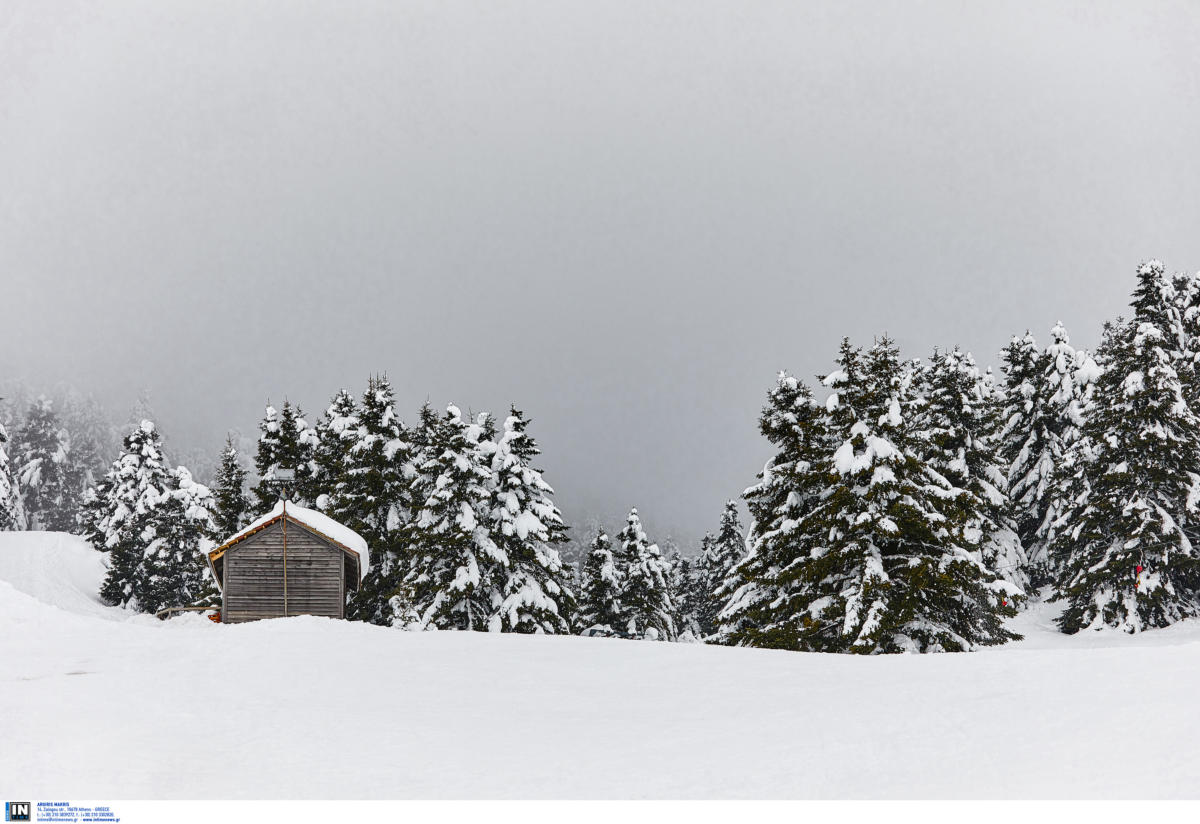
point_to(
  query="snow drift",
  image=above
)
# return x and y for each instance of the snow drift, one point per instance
(107, 704)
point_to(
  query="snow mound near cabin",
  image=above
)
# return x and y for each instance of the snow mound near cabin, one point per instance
(55, 569)
(316, 708)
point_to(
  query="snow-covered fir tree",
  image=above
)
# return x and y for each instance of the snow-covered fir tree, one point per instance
(268, 459)
(876, 560)
(48, 488)
(12, 513)
(451, 578)
(337, 433)
(174, 571)
(135, 486)
(719, 554)
(373, 493)
(770, 595)
(958, 428)
(645, 584)
(911, 578)
(600, 604)
(232, 507)
(535, 595)
(286, 441)
(155, 523)
(93, 510)
(1046, 393)
(687, 594)
(1186, 303)
(1124, 556)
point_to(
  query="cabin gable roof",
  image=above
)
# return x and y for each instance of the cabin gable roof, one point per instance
(320, 525)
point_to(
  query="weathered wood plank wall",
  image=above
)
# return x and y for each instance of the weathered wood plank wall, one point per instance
(314, 572)
(254, 576)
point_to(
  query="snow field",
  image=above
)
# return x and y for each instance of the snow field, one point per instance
(113, 705)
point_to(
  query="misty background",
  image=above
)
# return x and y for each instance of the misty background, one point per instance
(625, 218)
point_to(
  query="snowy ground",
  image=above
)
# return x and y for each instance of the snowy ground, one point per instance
(96, 703)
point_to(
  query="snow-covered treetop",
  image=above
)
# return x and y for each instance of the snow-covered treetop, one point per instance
(1151, 268)
(635, 525)
(1059, 333)
(196, 498)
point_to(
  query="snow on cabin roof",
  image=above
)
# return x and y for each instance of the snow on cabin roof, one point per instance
(317, 521)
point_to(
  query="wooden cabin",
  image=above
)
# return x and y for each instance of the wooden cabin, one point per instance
(291, 561)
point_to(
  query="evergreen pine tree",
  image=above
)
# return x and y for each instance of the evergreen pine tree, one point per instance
(232, 507)
(528, 528)
(285, 442)
(719, 554)
(958, 426)
(910, 581)
(156, 524)
(600, 604)
(873, 561)
(451, 560)
(174, 571)
(268, 459)
(135, 486)
(372, 495)
(1125, 559)
(93, 510)
(50, 493)
(1045, 394)
(12, 513)
(1185, 299)
(424, 441)
(771, 596)
(645, 584)
(687, 594)
(338, 430)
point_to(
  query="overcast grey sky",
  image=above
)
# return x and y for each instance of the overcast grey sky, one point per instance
(625, 217)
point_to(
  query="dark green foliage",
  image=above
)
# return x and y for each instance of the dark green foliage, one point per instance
(232, 505)
(768, 591)
(174, 571)
(854, 548)
(155, 524)
(134, 486)
(338, 431)
(719, 554)
(450, 562)
(528, 529)
(1140, 471)
(285, 442)
(600, 589)
(958, 426)
(1046, 396)
(647, 610)
(373, 493)
(687, 594)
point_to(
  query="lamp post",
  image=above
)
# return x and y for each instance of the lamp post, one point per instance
(284, 477)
